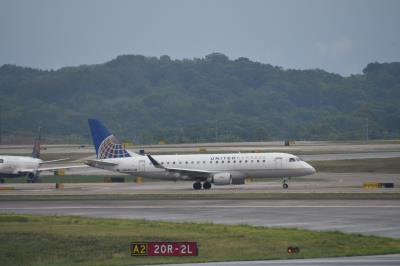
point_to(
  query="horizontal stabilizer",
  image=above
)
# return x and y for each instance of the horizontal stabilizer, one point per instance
(99, 163)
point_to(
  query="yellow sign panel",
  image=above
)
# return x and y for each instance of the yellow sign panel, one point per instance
(138, 249)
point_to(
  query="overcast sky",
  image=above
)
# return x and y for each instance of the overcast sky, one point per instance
(337, 36)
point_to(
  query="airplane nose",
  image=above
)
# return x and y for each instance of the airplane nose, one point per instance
(311, 169)
(308, 169)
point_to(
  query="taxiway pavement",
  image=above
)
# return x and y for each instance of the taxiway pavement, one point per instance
(383, 260)
(320, 182)
(370, 217)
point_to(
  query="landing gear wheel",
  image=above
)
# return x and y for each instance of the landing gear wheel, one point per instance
(284, 184)
(206, 185)
(197, 185)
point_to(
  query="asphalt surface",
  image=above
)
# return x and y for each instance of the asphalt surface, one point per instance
(318, 183)
(370, 217)
(385, 260)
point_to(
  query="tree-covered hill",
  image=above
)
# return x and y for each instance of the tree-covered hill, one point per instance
(146, 99)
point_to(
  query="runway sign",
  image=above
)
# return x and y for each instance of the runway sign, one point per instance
(164, 249)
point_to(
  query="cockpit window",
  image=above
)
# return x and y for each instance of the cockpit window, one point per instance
(292, 160)
(1, 161)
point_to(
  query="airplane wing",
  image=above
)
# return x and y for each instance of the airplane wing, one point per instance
(52, 161)
(41, 169)
(191, 172)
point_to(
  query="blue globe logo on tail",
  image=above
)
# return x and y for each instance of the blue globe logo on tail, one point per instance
(107, 146)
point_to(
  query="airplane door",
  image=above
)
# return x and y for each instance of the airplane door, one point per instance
(141, 165)
(278, 162)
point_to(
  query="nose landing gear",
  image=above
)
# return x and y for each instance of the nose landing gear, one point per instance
(284, 182)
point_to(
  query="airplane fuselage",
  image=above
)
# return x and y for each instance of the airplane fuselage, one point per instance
(14, 166)
(240, 165)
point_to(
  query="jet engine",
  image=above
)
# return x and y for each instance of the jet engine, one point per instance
(238, 179)
(222, 179)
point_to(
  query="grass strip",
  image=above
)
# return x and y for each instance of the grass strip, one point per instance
(65, 240)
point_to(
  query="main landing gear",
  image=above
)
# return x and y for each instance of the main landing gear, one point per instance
(284, 182)
(198, 185)
(32, 178)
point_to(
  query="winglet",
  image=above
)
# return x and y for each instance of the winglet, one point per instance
(154, 162)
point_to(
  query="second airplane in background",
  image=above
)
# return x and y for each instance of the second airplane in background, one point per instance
(203, 169)
(12, 166)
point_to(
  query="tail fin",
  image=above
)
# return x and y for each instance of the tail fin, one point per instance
(36, 144)
(106, 144)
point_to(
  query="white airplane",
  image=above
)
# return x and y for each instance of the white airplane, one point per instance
(203, 169)
(19, 166)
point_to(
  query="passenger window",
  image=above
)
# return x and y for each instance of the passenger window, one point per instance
(240, 161)
(162, 162)
(245, 161)
(258, 161)
(263, 161)
(216, 161)
(192, 162)
(186, 162)
(204, 162)
(222, 161)
(228, 161)
(167, 162)
(210, 162)
(234, 161)
(173, 162)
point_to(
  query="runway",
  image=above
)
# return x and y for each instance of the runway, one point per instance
(370, 217)
(384, 260)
